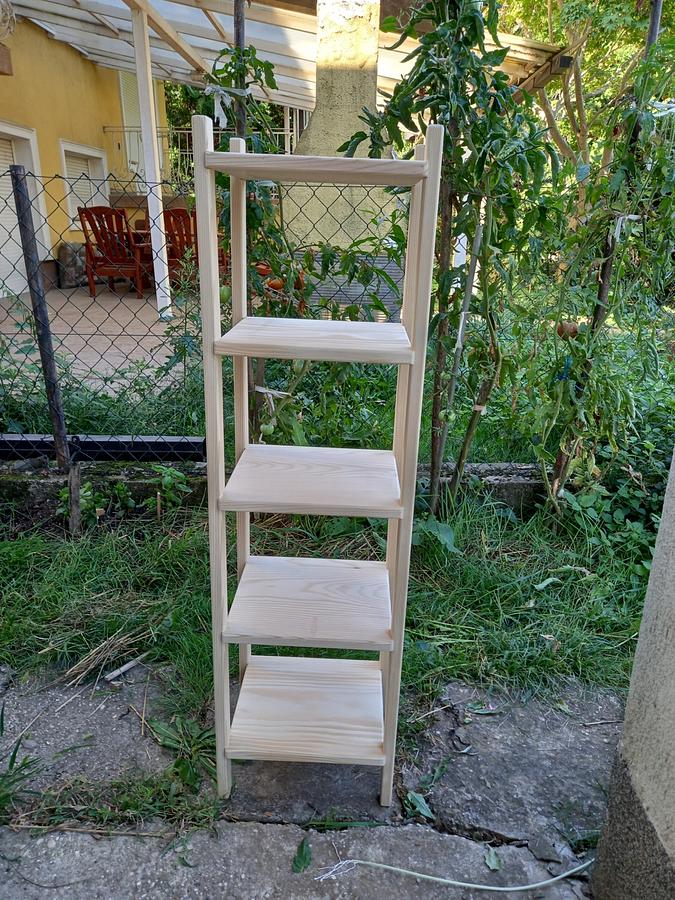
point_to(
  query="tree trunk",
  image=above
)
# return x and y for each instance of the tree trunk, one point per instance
(601, 308)
(438, 391)
(482, 398)
(463, 318)
(240, 44)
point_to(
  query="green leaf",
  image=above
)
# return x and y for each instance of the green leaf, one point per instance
(298, 434)
(417, 805)
(492, 860)
(546, 582)
(302, 858)
(495, 57)
(442, 532)
(389, 24)
(187, 773)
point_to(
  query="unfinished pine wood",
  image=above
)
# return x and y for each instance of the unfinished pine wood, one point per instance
(319, 481)
(309, 710)
(312, 709)
(306, 602)
(318, 169)
(318, 339)
(407, 430)
(205, 195)
(240, 364)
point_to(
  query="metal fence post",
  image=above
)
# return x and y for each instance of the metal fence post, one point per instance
(40, 312)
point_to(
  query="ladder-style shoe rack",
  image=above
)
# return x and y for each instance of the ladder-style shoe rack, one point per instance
(306, 709)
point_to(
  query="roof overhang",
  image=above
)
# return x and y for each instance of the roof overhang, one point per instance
(188, 35)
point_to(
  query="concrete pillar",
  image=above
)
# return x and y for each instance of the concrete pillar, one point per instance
(636, 854)
(346, 81)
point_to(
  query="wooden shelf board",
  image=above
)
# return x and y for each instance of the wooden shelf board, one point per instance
(304, 602)
(317, 339)
(309, 710)
(314, 481)
(318, 169)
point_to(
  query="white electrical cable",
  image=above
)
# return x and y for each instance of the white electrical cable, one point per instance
(346, 865)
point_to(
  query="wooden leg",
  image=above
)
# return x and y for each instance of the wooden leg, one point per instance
(386, 660)
(91, 280)
(111, 284)
(243, 553)
(391, 696)
(205, 191)
(139, 281)
(221, 704)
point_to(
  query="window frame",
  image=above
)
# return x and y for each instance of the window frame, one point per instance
(93, 154)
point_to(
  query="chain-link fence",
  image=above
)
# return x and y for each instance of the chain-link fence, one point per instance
(118, 290)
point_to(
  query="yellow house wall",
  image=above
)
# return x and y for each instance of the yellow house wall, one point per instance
(61, 96)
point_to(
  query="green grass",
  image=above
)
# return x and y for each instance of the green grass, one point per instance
(119, 805)
(483, 614)
(521, 606)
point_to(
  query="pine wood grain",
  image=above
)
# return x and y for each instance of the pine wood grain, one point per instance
(240, 364)
(205, 196)
(306, 602)
(318, 339)
(421, 235)
(309, 710)
(318, 169)
(315, 481)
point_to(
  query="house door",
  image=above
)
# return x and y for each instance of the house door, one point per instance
(12, 270)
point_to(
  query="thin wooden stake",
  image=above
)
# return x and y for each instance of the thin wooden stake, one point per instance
(240, 364)
(36, 288)
(74, 500)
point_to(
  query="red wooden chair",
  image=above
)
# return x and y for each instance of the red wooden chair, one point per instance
(180, 227)
(110, 248)
(181, 237)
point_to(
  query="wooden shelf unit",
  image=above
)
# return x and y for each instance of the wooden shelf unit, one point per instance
(303, 708)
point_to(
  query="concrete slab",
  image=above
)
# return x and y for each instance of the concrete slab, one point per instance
(91, 731)
(94, 732)
(519, 771)
(505, 770)
(298, 793)
(99, 335)
(244, 861)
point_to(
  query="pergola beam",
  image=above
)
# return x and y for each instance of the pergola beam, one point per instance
(101, 19)
(168, 34)
(95, 42)
(192, 33)
(551, 69)
(215, 21)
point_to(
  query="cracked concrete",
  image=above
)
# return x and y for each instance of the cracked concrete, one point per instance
(519, 772)
(526, 778)
(246, 861)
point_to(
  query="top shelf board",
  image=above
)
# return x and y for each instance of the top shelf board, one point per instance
(317, 339)
(318, 169)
